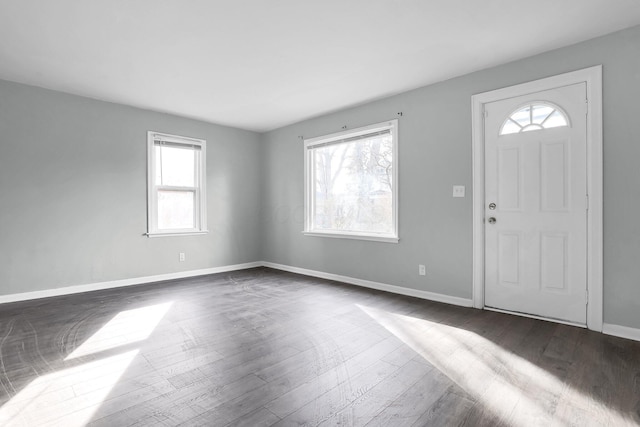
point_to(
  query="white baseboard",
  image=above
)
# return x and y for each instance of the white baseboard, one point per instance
(124, 282)
(432, 296)
(621, 331)
(609, 329)
(67, 290)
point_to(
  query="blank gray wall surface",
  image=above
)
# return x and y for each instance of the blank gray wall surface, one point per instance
(73, 193)
(435, 153)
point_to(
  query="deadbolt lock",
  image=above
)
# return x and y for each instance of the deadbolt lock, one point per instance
(492, 206)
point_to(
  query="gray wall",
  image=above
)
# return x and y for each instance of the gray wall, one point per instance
(435, 153)
(73, 193)
(73, 186)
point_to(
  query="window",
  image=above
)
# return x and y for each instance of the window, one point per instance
(534, 117)
(176, 185)
(351, 184)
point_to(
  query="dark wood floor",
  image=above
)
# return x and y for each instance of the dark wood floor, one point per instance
(261, 347)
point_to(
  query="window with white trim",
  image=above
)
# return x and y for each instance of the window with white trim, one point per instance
(177, 203)
(351, 183)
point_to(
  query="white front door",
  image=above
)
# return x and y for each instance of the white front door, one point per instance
(536, 204)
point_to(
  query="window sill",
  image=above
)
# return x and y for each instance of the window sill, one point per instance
(356, 236)
(174, 234)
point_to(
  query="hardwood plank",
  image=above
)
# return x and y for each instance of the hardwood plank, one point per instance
(259, 418)
(332, 393)
(451, 409)
(410, 405)
(264, 347)
(363, 363)
(364, 409)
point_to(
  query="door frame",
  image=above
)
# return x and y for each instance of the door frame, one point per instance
(592, 76)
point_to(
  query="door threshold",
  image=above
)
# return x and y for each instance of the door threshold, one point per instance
(533, 316)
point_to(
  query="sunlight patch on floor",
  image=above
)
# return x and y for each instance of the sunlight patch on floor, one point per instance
(126, 327)
(507, 385)
(49, 396)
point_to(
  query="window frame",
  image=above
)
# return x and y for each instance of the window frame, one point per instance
(199, 189)
(541, 126)
(309, 175)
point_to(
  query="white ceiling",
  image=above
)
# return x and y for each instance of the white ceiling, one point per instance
(263, 64)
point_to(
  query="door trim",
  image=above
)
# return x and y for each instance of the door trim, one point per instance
(593, 78)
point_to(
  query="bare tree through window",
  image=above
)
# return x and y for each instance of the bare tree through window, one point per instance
(352, 188)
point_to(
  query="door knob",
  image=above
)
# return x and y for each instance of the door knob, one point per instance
(492, 220)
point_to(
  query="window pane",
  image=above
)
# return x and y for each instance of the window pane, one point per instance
(533, 117)
(523, 116)
(555, 120)
(177, 166)
(353, 187)
(540, 112)
(158, 165)
(176, 209)
(510, 127)
(531, 127)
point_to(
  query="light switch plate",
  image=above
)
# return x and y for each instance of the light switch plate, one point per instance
(458, 191)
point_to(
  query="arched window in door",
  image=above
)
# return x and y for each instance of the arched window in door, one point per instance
(534, 116)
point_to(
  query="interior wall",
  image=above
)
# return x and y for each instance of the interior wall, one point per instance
(435, 153)
(73, 195)
(73, 186)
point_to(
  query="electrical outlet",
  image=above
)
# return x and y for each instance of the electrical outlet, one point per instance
(458, 191)
(182, 257)
(422, 270)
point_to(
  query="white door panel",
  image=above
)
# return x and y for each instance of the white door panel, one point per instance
(536, 251)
